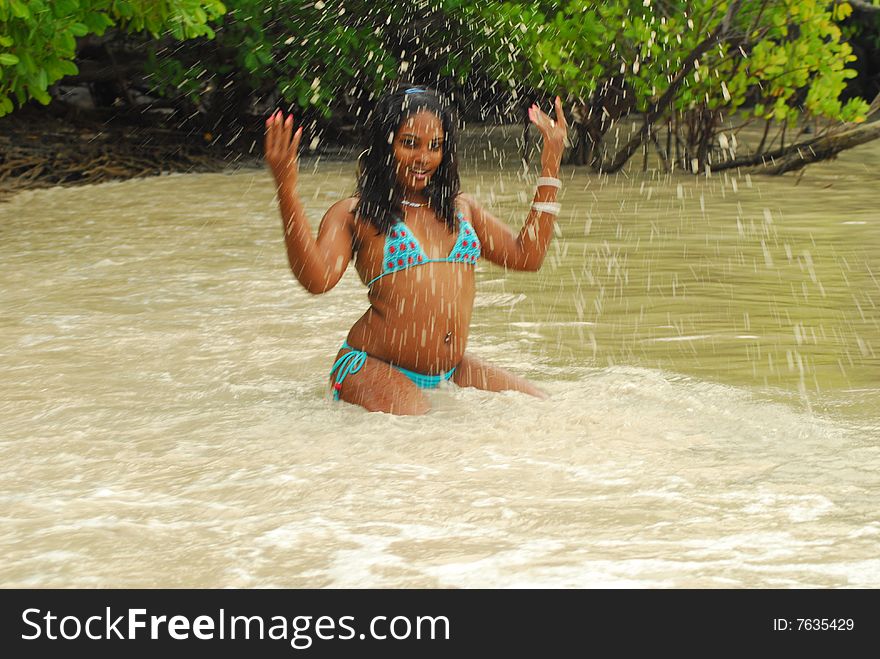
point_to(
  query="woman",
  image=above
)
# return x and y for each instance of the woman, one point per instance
(415, 240)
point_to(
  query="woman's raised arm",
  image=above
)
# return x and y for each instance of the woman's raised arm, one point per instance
(526, 250)
(318, 263)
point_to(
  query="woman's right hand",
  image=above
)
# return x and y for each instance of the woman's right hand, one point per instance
(554, 132)
(281, 151)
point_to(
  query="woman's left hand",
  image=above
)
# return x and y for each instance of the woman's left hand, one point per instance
(553, 132)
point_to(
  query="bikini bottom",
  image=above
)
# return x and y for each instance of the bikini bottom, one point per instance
(352, 361)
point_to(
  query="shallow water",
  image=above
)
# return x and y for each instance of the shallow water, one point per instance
(710, 347)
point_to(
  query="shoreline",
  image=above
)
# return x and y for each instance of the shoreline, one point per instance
(40, 150)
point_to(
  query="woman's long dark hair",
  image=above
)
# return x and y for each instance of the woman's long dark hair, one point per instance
(378, 192)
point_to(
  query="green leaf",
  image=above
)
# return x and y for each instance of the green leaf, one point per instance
(68, 43)
(40, 95)
(97, 23)
(65, 7)
(67, 68)
(8, 59)
(123, 8)
(26, 63)
(19, 9)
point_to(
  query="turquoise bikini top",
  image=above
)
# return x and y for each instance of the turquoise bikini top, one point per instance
(403, 251)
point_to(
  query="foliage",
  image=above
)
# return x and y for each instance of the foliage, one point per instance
(310, 52)
(776, 61)
(779, 47)
(328, 55)
(38, 37)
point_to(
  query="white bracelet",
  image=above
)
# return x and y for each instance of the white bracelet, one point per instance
(551, 207)
(549, 180)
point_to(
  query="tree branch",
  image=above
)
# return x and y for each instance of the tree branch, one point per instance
(800, 154)
(660, 106)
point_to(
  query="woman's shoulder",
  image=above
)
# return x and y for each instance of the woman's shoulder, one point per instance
(344, 207)
(466, 204)
(345, 212)
(342, 213)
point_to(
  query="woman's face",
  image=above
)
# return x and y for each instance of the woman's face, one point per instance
(418, 150)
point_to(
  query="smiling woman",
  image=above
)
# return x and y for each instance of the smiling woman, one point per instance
(411, 152)
(418, 152)
(415, 240)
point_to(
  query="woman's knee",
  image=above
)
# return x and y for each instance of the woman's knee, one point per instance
(380, 388)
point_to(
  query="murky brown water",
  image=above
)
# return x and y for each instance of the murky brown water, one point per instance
(710, 346)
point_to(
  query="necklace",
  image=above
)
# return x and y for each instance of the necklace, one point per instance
(412, 204)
